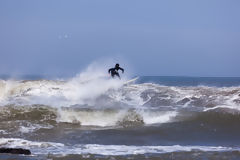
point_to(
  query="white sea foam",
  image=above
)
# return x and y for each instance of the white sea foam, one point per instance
(91, 89)
(82, 89)
(33, 127)
(129, 150)
(17, 142)
(59, 148)
(158, 117)
(3, 132)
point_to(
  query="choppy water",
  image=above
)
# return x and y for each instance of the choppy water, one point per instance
(93, 117)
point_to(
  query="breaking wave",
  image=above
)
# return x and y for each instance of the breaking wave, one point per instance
(98, 100)
(121, 106)
(83, 116)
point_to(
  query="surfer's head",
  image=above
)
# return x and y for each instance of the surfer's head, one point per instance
(117, 65)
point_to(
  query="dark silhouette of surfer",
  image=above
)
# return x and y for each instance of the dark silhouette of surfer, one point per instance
(114, 71)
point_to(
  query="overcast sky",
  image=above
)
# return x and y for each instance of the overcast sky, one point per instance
(156, 37)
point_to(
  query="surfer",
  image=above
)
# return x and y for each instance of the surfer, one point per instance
(114, 71)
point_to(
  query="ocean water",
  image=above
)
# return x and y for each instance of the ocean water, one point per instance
(96, 117)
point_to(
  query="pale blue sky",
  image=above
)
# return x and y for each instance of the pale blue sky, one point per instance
(157, 37)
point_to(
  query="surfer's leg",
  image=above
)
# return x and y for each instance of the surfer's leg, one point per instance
(112, 74)
(117, 74)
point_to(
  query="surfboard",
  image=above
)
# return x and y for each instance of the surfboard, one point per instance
(130, 81)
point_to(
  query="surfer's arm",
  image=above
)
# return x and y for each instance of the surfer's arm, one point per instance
(110, 70)
(121, 69)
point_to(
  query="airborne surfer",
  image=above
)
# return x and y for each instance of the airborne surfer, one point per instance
(114, 71)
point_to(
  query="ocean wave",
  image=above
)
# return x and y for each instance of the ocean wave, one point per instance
(83, 101)
(96, 100)
(61, 149)
(32, 118)
(83, 116)
(215, 118)
(113, 93)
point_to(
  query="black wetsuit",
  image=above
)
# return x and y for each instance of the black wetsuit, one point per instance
(114, 71)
